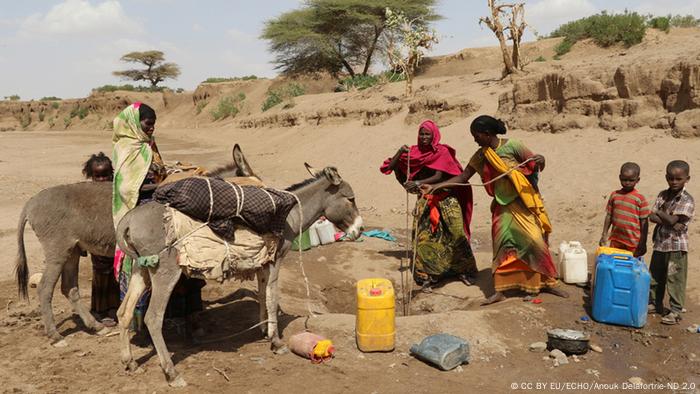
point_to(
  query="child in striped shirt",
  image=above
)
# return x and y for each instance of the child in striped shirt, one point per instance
(627, 214)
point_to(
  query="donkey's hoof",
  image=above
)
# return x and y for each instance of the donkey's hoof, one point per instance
(97, 327)
(104, 331)
(177, 382)
(60, 343)
(133, 368)
(280, 350)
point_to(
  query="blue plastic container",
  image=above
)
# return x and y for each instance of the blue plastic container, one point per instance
(621, 290)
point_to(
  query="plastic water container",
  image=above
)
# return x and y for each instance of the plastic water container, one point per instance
(302, 241)
(313, 235)
(609, 250)
(326, 232)
(375, 327)
(574, 264)
(442, 350)
(620, 290)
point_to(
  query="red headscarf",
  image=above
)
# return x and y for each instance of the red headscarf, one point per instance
(438, 157)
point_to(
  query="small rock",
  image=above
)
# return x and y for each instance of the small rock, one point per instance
(559, 357)
(593, 372)
(636, 380)
(575, 358)
(595, 348)
(692, 357)
(693, 328)
(459, 369)
(61, 343)
(538, 347)
(392, 365)
(633, 367)
(322, 259)
(545, 358)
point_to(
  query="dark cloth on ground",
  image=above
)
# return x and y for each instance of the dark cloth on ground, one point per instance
(263, 210)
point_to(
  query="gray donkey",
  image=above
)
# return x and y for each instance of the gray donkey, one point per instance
(141, 233)
(70, 219)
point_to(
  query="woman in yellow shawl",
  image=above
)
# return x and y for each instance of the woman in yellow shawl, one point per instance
(520, 225)
(139, 169)
(138, 165)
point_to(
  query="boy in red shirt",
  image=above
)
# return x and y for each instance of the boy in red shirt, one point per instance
(628, 214)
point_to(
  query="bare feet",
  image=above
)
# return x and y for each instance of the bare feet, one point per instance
(496, 297)
(557, 292)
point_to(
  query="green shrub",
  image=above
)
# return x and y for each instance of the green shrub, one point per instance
(200, 106)
(685, 21)
(80, 112)
(359, 82)
(179, 90)
(41, 115)
(541, 59)
(556, 57)
(55, 105)
(276, 96)
(49, 98)
(390, 76)
(51, 121)
(220, 79)
(13, 97)
(605, 29)
(25, 119)
(67, 121)
(228, 106)
(128, 88)
(662, 23)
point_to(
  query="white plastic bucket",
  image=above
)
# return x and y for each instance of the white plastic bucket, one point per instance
(326, 232)
(313, 235)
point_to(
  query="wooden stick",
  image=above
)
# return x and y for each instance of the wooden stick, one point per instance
(221, 372)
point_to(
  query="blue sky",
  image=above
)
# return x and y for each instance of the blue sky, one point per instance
(65, 48)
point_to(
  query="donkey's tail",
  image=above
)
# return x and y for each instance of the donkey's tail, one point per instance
(21, 269)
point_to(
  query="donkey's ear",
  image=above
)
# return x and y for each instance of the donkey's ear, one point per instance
(311, 170)
(332, 175)
(242, 166)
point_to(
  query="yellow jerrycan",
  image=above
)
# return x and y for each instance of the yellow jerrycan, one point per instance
(375, 324)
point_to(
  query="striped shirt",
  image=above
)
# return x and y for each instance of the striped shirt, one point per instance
(666, 238)
(627, 210)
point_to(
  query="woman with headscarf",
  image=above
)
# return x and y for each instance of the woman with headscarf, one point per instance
(441, 223)
(138, 168)
(520, 224)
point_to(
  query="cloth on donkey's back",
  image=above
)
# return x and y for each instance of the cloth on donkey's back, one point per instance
(202, 254)
(263, 210)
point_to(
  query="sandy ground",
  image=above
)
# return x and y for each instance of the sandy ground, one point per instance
(582, 169)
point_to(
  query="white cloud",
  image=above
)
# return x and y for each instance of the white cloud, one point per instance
(546, 15)
(81, 17)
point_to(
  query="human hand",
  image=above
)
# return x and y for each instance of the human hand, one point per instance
(412, 186)
(603, 240)
(539, 161)
(679, 227)
(640, 251)
(426, 189)
(404, 149)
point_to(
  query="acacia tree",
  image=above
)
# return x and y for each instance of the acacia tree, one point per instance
(336, 35)
(156, 70)
(507, 21)
(408, 39)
